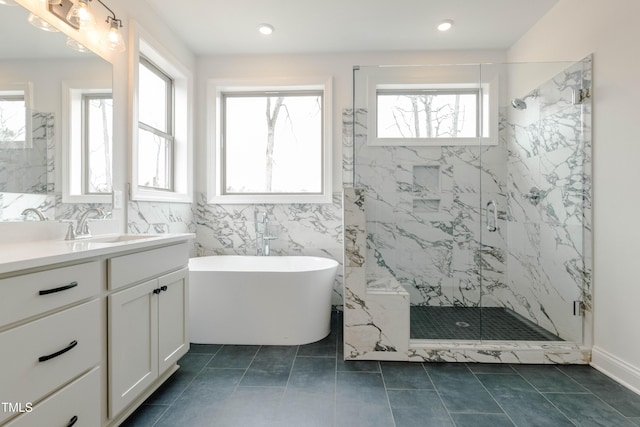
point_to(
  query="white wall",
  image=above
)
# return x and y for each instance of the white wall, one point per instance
(338, 66)
(574, 29)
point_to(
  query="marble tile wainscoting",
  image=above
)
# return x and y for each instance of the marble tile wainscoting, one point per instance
(301, 229)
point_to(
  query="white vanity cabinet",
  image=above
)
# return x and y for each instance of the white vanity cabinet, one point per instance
(51, 323)
(89, 329)
(148, 321)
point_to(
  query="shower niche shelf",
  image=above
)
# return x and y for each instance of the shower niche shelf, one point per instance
(426, 188)
(426, 179)
(426, 206)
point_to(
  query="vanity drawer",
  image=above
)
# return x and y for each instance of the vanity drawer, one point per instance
(128, 269)
(34, 293)
(40, 356)
(80, 400)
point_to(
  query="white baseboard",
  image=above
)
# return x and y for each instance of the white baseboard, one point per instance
(621, 371)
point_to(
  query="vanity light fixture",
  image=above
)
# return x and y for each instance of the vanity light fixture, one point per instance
(41, 24)
(113, 40)
(80, 16)
(265, 29)
(75, 45)
(445, 25)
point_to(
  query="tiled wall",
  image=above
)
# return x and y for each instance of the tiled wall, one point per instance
(301, 229)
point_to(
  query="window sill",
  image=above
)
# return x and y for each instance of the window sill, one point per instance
(269, 199)
(140, 195)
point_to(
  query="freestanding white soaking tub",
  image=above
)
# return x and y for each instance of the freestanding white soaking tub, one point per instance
(260, 300)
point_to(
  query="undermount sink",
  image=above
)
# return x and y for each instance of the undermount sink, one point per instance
(119, 238)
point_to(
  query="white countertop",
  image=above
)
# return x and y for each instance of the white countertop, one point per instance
(22, 256)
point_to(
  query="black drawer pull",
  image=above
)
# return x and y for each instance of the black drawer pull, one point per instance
(58, 353)
(72, 421)
(60, 289)
(156, 291)
(163, 288)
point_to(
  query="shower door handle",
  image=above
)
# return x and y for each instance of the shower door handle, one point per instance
(492, 206)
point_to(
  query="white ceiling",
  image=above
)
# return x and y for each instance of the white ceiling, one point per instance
(210, 27)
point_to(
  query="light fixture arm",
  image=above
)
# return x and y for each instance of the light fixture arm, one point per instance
(113, 15)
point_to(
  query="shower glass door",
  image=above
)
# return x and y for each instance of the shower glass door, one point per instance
(477, 195)
(534, 258)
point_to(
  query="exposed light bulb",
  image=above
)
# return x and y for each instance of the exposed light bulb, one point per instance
(265, 29)
(80, 16)
(113, 40)
(445, 25)
(40, 23)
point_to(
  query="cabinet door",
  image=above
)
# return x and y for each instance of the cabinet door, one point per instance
(133, 343)
(173, 337)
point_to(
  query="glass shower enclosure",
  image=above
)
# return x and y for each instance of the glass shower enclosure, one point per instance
(477, 195)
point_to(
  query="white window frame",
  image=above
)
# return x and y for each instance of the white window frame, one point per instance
(72, 127)
(215, 89)
(167, 135)
(143, 44)
(438, 78)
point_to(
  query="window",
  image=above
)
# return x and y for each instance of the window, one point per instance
(428, 113)
(268, 143)
(155, 127)
(97, 112)
(87, 141)
(279, 152)
(162, 146)
(431, 105)
(13, 120)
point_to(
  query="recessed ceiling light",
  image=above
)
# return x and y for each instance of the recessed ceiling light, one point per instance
(265, 29)
(445, 25)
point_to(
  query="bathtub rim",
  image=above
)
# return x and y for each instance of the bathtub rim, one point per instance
(261, 264)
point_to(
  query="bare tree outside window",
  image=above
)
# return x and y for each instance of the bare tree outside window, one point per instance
(273, 144)
(98, 122)
(436, 114)
(12, 121)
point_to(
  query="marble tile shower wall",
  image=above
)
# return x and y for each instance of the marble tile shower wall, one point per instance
(49, 202)
(301, 229)
(549, 188)
(424, 218)
(26, 173)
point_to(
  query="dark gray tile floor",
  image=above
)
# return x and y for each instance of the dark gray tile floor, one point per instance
(311, 385)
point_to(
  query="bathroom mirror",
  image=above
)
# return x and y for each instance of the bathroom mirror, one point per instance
(43, 124)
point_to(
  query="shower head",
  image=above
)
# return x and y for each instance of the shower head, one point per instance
(518, 104)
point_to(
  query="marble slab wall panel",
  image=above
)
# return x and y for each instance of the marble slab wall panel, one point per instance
(301, 229)
(434, 252)
(376, 318)
(160, 217)
(23, 166)
(34, 175)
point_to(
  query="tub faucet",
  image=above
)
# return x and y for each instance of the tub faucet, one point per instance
(263, 238)
(82, 229)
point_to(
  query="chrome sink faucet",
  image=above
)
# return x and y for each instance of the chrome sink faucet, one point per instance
(82, 229)
(263, 237)
(37, 212)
